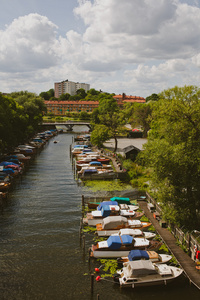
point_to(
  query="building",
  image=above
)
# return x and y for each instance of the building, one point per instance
(60, 108)
(122, 99)
(69, 87)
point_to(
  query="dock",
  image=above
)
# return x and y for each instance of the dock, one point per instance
(186, 263)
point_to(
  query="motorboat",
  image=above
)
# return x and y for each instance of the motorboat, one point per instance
(153, 256)
(118, 246)
(113, 224)
(136, 233)
(96, 217)
(145, 273)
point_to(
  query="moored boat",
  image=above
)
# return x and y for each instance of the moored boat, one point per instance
(145, 273)
(118, 246)
(113, 224)
(146, 255)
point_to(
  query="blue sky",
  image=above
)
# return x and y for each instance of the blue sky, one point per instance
(131, 46)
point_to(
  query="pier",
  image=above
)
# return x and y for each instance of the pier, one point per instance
(187, 264)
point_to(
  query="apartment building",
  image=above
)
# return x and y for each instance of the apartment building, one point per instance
(69, 87)
(60, 108)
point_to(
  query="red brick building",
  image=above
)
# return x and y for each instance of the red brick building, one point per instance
(60, 108)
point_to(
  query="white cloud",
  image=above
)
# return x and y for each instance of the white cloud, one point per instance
(27, 44)
(127, 46)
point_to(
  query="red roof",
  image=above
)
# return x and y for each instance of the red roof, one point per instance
(130, 98)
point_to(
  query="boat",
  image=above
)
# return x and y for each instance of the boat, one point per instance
(96, 217)
(113, 224)
(136, 233)
(118, 246)
(119, 200)
(146, 255)
(145, 273)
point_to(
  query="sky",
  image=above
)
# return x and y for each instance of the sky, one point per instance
(137, 47)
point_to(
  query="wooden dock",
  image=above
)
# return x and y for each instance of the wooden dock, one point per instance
(187, 264)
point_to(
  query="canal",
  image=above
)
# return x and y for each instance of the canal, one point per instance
(41, 256)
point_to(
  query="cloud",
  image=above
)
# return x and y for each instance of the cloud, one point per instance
(28, 43)
(130, 46)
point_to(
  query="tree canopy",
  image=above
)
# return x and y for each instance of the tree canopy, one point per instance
(20, 114)
(173, 153)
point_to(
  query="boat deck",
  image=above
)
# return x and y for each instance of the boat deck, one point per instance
(187, 264)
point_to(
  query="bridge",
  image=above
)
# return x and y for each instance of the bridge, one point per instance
(68, 124)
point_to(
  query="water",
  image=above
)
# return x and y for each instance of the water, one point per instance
(41, 256)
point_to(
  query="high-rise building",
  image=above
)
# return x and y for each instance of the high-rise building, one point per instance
(69, 87)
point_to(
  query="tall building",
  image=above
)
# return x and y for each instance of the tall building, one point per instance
(69, 87)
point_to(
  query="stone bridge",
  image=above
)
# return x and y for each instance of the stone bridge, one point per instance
(69, 125)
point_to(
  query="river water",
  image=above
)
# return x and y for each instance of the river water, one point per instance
(41, 256)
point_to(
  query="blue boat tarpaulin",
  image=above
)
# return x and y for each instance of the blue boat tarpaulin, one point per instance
(115, 242)
(137, 255)
(106, 203)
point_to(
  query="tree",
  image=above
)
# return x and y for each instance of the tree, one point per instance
(153, 97)
(99, 135)
(173, 153)
(141, 116)
(110, 116)
(33, 106)
(64, 96)
(13, 123)
(82, 93)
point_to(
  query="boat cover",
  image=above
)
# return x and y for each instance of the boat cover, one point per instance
(113, 221)
(141, 267)
(106, 203)
(9, 171)
(137, 255)
(121, 200)
(115, 242)
(96, 163)
(107, 209)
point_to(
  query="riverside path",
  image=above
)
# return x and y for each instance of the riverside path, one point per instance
(187, 264)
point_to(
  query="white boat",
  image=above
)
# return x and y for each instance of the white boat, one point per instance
(113, 224)
(145, 273)
(135, 233)
(118, 246)
(96, 217)
(146, 255)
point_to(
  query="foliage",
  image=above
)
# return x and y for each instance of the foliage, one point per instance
(153, 97)
(20, 114)
(108, 115)
(108, 185)
(99, 135)
(110, 265)
(141, 116)
(173, 153)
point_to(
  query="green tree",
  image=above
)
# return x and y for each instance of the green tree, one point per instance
(64, 96)
(173, 153)
(110, 116)
(99, 135)
(33, 106)
(13, 123)
(153, 97)
(141, 116)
